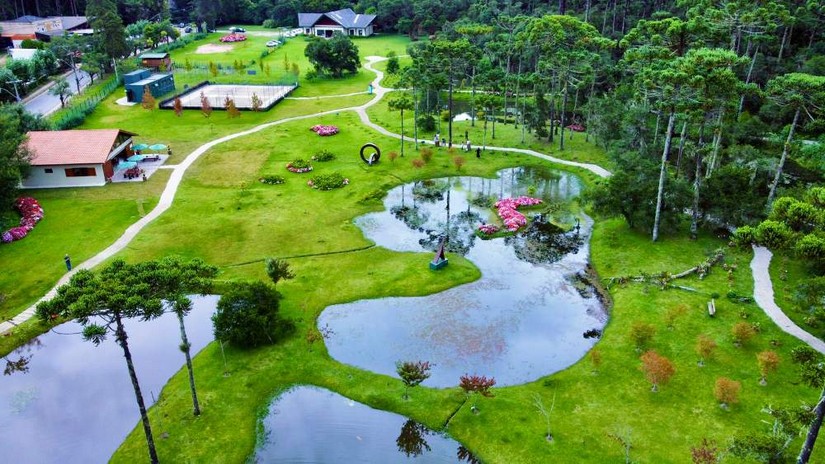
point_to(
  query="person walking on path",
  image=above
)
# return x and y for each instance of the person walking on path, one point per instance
(68, 262)
(478, 152)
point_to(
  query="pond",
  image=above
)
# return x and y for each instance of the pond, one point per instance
(525, 318)
(74, 402)
(317, 426)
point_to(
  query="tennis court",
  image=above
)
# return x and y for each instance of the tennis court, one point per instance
(241, 94)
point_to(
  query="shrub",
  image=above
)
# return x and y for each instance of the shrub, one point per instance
(773, 234)
(299, 166)
(744, 236)
(642, 333)
(811, 247)
(426, 122)
(657, 368)
(726, 391)
(247, 316)
(328, 181)
(393, 155)
(742, 333)
(323, 156)
(392, 63)
(445, 116)
(418, 163)
(595, 358)
(273, 180)
(674, 313)
(459, 161)
(426, 154)
(269, 24)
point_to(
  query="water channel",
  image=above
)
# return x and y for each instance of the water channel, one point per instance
(73, 402)
(525, 318)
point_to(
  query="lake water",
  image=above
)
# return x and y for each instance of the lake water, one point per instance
(311, 425)
(522, 320)
(76, 404)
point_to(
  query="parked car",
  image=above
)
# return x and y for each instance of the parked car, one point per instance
(236, 29)
(273, 43)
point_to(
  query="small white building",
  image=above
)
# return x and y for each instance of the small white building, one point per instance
(75, 158)
(344, 21)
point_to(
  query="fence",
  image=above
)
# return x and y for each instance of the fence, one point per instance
(78, 110)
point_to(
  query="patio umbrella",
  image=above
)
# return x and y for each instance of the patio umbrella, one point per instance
(126, 165)
(135, 158)
(140, 146)
(157, 147)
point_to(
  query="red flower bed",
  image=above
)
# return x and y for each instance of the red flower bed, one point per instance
(32, 213)
(324, 130)
(233, 38)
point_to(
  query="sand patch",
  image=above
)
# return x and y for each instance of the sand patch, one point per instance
(213, 48)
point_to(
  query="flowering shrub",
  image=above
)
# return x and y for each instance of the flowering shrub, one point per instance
(233, 38)
(328, 181)
(513, 220)
(272, 180)
(299, 166)
(32, 213)
(324, 130)
(488, 229)
(576, 127)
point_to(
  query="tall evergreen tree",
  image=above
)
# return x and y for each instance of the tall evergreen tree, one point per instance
(109, 30)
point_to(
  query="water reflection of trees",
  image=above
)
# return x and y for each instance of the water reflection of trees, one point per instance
(25, 352)
(412, 217)
(411, 441)
(544, 242)
(430, 191)
(464, 454)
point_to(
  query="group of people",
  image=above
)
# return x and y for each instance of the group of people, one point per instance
(466, 146)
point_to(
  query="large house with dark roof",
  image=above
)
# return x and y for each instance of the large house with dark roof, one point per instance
(344, 21)
(75, 158)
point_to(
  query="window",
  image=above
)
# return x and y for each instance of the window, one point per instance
(48, 170)
(80, 172)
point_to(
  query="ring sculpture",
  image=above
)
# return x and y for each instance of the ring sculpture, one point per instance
(373, 157)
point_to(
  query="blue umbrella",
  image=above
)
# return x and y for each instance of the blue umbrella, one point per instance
(157, 147)
(126, 165)
(135, 158)
(140, 146)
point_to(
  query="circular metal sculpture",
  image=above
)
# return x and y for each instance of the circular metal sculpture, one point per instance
(373, 157)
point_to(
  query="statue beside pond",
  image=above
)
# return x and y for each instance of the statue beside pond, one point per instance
(440, 260)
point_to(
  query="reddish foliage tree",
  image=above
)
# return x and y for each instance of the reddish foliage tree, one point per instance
(231, 110)
(459, 162)
(426, 154)
(705, 346)
(418, 163)
(476, 384)
(726, 391)
(148, 101)
(742, 333)
(206, 107)
(705, 453)
(178, 107)
(657, 368)
(768, 362)
(412, 373)
(393, 155)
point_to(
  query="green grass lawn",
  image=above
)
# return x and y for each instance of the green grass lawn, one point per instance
(225, 216)
(787, 272)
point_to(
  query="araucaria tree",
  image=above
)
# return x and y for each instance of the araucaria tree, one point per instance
(657, 368)
(476, 384)
(412, 373)
(334, 56)
(401, 103)
(102, 301)
(109, 30)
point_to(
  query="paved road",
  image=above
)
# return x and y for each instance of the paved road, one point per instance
(44, 103)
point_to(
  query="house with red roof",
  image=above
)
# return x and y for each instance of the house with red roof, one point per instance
(75, 158)
(344, 21)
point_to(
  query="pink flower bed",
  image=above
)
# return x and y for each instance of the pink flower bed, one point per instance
(488, 229)
(512, 219)
(233, 38)
(32, 213)
(292, 168)
(323, 130)
(576, 127)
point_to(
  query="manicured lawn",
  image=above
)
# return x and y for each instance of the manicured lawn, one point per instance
(225, 216)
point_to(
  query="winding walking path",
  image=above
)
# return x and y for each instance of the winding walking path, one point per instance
(763, 288)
